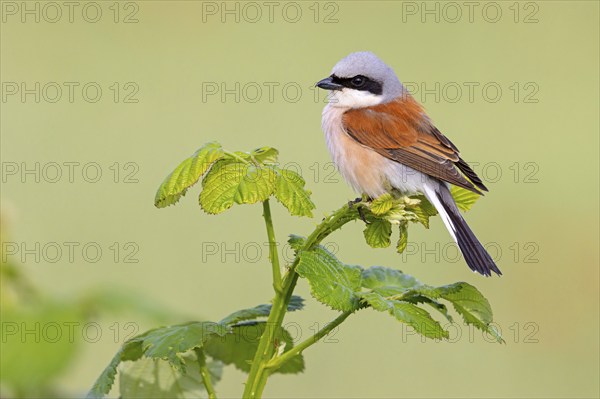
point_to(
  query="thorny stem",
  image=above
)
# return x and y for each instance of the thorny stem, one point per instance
(259, 371)
(205, 374)
(277, 362)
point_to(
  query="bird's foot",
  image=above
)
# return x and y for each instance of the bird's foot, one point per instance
(360, 209)
(362, 215)
(354, 202)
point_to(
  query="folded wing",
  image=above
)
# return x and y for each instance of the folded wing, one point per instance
(400, 131)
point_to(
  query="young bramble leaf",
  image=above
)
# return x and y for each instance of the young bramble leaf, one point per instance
(464, 198)
(236, 177)
(296, 303)
(105, 381)
(471, 305)
(403, 240)
(332, 282)
(440, 307)
(389, 286)
(427, 206)
(187, 174)
(168, 343)
(256, 185)
(296, 242)
(382, 204)
(467, 300)
(239, 346)
(230, 182)
(408, 313)
(131, 350)
(265, 155)
(423, 210)
(247, 314)
(154, 378)
(377, 233)
(290, 191)
(388, 282)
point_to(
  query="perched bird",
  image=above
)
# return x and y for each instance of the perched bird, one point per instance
(382, 140)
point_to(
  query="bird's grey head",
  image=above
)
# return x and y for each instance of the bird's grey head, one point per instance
(361, 80)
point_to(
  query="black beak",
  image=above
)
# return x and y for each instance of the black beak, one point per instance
(328, 84)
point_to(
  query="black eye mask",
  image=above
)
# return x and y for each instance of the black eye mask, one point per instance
(359, 82)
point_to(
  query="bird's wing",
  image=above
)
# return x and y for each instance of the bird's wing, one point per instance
(400, 131)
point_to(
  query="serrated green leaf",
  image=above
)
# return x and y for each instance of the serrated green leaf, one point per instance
(230, 182)
(168, 343)
(382, 204)
(403, 239)
(154, 378)
(422, 217)
(296, 242)
(239, 346)
(105, 381)
(332, 282)
(387, 282)
(377, 233)
(427, 206)
(408, 313)
(392, 284)
(464, 198)
(290, 191)
(265, 155)
(247, 314)
(130, 350)
(423, 210)
(469, 298)
(256, 185)
(296, 303)
(440, 307)
(187, 174)
(471, 305)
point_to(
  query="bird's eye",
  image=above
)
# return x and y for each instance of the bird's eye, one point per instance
(358, 81)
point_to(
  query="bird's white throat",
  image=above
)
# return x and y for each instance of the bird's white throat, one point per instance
(350, 98)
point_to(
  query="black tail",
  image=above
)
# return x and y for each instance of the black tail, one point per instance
(476, 256)
(466, 169)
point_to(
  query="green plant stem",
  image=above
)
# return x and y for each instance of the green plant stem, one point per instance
(273, 253)
(259, 373)
(274, 364)
(205, 374)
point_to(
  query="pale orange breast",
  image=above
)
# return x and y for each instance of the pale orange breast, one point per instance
(363, 168)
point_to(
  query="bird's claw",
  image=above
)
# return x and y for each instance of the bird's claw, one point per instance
(359, 209)
(354, 202)
(362, 215)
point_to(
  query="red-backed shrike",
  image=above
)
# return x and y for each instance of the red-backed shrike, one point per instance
(381, 140)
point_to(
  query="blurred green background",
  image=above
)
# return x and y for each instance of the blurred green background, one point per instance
(535, 142)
